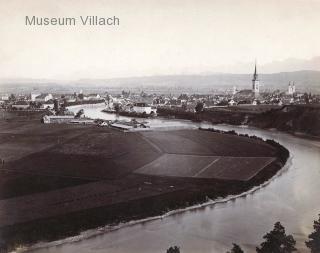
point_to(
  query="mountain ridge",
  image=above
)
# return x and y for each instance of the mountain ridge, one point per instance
(305, 80)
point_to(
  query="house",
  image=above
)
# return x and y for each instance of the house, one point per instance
(143, 108)
(48, 105)
(232, 102)
(43, 98)
(48, 119)
(255, 102)
(70, 98)
(5, 97)
(34, 95)
(92, 97)
(21, 105)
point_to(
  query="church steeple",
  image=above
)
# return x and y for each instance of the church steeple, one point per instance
(255, 75)
(255, 81)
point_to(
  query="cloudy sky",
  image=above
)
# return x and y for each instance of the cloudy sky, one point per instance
(159, 37)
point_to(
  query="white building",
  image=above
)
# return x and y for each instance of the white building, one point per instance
(43, 98)
(143, 108)
(34, 95)
(5, 97)
(48, 119)
(232, 102)
(92, 97)
(234, 90)
(291, 88)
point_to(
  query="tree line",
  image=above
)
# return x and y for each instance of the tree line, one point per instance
(277, 241)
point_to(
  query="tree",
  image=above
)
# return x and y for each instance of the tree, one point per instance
(199, 107)
(236, 249)
(56, 106)
(116, 107)
(12, 97)
(276, 241)
(80, 96)
(79, 113)
(306, 97)
(314, 237)
(173, 249)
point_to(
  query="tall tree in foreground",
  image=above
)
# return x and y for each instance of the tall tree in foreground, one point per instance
(276, 241)
(236, 249)
(314, 237)
(174, 249)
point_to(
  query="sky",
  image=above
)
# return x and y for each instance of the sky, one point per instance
(159, 38)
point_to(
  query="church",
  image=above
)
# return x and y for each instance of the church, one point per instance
(250, 96)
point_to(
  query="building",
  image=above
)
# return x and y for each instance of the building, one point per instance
(48, 105)
(34, 95)
(291, 88)
(48, 119)
(143, 108)
(255, 82)
(92, 97)
(21, 105)
(234, 90)
(43, 98)
(5, 97)
(232, 102)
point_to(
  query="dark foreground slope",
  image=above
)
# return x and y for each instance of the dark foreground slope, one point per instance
(59, 180)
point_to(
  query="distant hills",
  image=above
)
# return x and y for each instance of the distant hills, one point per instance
(305, 80)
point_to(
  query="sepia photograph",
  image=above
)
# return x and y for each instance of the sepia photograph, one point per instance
(159, 126)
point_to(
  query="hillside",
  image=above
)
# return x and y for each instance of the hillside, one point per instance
(305, 80)
(293, 119)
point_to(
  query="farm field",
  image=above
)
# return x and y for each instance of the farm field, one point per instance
(228, 168)
(202, 143)
(76, 175)
(236, 168)
(177, 165)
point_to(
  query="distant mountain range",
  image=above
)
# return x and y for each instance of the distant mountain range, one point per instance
(305, 80)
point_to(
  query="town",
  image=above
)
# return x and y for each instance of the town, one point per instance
(145, 104)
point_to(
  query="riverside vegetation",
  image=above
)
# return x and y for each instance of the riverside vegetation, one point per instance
(277, 241)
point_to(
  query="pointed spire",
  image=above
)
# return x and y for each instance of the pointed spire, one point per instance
(255, 67)
(255, 75)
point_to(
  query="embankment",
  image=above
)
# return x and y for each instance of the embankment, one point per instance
(294, 119)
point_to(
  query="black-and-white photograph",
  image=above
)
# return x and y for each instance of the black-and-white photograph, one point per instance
(159, 126)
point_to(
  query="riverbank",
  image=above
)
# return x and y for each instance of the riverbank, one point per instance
(303, 120)
(115, 194)
(107, 229)
(85, 102)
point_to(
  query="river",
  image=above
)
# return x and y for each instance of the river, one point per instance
(292, 197)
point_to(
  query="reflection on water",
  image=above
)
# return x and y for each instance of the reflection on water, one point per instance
(292, 198)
